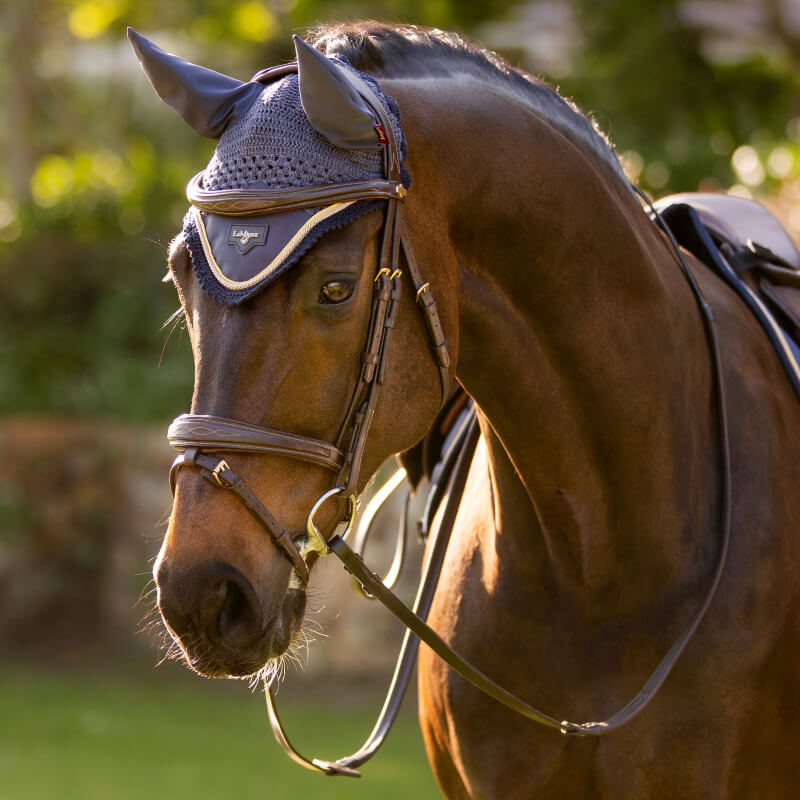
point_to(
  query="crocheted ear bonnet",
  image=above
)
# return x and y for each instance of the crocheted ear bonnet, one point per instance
(266, 141)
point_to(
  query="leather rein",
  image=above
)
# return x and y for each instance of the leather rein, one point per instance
(198, 436)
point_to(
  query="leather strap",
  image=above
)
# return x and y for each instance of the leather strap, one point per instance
(424, 298)
(457, 460)
(218, 472)
(254, 202)
(386, 297)
(218, 433)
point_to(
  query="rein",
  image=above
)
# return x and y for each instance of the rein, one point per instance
(199, 435)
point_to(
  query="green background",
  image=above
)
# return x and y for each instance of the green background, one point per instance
(694, 95)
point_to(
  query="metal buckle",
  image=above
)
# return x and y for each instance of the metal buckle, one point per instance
(424, 288)
(223, 465)
(382, 271)
(317, 542)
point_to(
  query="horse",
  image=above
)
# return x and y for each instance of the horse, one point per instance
(591, 520)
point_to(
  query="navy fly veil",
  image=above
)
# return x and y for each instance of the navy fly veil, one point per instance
(267, 142)
(273, 146)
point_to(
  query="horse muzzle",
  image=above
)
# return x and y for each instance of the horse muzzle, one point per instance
(222, 625)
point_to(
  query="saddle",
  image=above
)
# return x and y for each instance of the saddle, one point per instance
(746, 246)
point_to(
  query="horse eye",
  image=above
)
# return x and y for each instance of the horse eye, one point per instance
(336, 292)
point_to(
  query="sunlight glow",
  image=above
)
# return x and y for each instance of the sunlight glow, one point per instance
(52, 181)
(254, 21)
(747, 166)
(88, 20)
(780, 162)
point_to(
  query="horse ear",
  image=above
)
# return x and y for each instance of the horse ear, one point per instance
(206, 100)
(331, 104)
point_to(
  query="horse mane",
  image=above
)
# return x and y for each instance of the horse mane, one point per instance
(391, 50)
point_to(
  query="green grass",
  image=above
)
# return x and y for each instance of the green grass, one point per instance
(66, 736)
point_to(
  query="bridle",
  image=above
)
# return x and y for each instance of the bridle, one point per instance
(199, 435)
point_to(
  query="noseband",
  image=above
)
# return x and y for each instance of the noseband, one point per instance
(199, 435)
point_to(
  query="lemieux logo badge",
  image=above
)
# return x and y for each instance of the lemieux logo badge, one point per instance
(246, 237)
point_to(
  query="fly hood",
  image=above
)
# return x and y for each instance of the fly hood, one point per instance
(303, 148)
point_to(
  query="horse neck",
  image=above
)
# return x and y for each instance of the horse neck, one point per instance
(583, 347)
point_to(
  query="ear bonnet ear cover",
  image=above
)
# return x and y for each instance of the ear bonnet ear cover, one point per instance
(274, 146)
(206, 100)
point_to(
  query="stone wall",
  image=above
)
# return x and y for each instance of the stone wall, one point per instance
(83, 506)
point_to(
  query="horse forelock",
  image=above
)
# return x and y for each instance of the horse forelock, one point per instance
(411, 50)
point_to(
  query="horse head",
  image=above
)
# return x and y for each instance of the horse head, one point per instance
(288, 306)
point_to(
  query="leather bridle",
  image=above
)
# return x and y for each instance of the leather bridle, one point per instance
(199, 435)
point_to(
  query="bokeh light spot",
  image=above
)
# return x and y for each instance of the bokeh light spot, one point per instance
(52, 181)
(737, 190)
(10, 227)
(780, 163)
(747, 166)
(90, 19)
(254, 21)
(7, 212)
(657, 174)
(632, 163)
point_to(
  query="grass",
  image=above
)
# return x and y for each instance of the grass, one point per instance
(69, 736)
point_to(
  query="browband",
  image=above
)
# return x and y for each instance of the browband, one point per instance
(253, 202)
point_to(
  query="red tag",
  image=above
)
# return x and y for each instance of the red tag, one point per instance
(381, 133)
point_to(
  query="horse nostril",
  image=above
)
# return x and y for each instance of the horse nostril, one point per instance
(214, 601)
(239, 621)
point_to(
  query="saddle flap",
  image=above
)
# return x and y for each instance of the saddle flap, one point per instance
(784, 301)
(720, 231)
(739, 221)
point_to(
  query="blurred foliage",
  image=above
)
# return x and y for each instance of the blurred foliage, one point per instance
(679, 97)
(93, 166)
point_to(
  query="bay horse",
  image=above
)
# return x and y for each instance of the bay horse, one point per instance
(590, 525)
